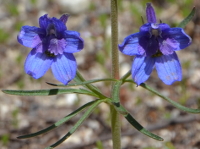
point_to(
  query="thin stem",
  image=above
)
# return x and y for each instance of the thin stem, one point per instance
(114, 39)
(115, 119)
(126, 76)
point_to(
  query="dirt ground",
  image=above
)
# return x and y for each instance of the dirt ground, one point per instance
(21, 115)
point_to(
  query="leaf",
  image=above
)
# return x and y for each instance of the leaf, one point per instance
(140, 128)
(135, 124)
(58, 123)
(75, 127)
(177, 105)
(48, 92)
(116, 92)
(125, 76)
(187, 19)
(80, 79)
(116, 102)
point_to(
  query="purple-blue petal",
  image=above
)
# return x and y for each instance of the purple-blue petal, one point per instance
(150, 14)
(74, 43)
(178, 35)
(163, 26)
(60, 27)
(30, 36)
(130, 45)
(147, 41)
(44, 21)
(168, 68)
(64, 18)
(142, 68)
(168, 46)
(64, 67)
(37, 64)
(57, 46)
(146, 28)
(150, 45)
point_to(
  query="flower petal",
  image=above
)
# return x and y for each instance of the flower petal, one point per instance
(168, 46)
(150, 45)
(74, 43)
(147, 40)
(30, 36)
(44, 21)
(37, 64)
(57, 46)
(64, 18)
(150, 14)
(142, 68)
(64, 67)
(163, 26)
(60, 27)
(177, 36)
(130, 45)
(168, 68)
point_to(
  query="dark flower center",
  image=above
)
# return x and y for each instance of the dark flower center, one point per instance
(158, 54)
(50, 54)
(155, 32)
(53, 45)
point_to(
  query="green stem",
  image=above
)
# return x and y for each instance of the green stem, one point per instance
(115, 119)
(126, 76)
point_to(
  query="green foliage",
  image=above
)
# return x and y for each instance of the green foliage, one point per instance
(18, 25)
(149, 148)
(11, 7)
(169, 145)
(187, 19)
(184, 93)
(167, 115)
(33, 1)
(103, 20)
(3, 35)
(15, 121)
(99, 145)
(5, 139)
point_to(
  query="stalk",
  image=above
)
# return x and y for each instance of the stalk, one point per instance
(115, 119)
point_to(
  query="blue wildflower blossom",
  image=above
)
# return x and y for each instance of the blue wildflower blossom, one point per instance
(154, 46)
(53, 46)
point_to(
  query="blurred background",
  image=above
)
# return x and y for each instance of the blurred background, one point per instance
(22, 115)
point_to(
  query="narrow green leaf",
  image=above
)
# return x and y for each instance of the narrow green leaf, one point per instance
(187, 19)
(76, 126)
(125, 76)
(58, 123)
(177, 105)
(140, 128)
(48, 92)
(116, 92)
(82, 83)
(135, 124)
(124, 112)
(79, 79)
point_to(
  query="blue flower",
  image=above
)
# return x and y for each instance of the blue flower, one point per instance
(53, 46)
(154, 46)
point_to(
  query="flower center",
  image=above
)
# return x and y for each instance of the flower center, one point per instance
(158, 54)
(48, 53)
(53, 45)
(154, 30)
